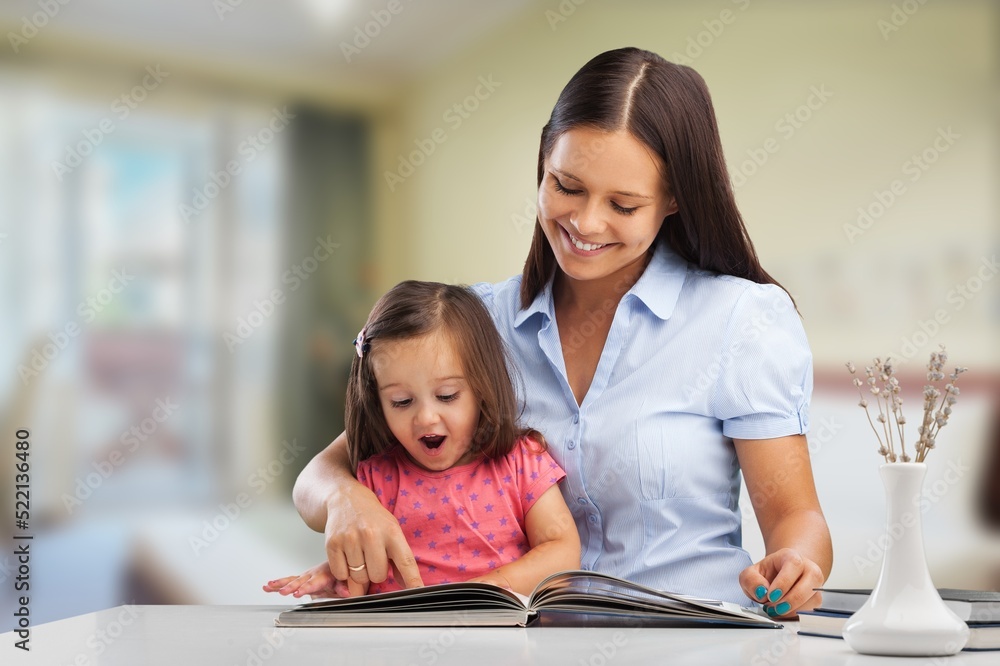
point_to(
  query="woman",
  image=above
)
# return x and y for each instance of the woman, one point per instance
(659, 359)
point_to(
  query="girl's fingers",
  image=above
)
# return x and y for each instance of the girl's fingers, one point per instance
(277, 584)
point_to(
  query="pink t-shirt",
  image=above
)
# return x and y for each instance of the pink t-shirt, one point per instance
(464, 521)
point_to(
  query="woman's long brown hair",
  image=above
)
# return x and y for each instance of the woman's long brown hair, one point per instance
(668, 108)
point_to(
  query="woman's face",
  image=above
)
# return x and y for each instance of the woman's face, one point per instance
(601, 203)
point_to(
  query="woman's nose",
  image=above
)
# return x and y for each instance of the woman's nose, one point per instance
(589, 220)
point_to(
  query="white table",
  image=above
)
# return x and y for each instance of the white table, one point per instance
(246, 636)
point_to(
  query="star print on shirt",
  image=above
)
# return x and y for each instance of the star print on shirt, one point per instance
(467, 546)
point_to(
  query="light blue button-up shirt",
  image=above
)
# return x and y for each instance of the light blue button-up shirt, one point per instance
(692, 360)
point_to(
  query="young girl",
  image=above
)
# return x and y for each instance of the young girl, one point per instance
(431, 415)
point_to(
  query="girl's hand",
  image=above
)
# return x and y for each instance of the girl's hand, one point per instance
(317, 582)
(493, 579)
(784, 582)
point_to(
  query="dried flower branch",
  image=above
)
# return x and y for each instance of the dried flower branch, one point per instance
(884, 386)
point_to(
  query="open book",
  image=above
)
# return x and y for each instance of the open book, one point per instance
(568, 598)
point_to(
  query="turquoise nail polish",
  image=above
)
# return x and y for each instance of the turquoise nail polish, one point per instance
(783, 608)
(774, 596)
(760, 591)
(770, 611)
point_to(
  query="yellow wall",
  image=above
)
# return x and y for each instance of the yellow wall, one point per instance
(891, 91)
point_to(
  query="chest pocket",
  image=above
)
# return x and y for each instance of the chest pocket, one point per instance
(682, 456)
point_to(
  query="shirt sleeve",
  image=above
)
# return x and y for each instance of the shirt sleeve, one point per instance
(536, 471)
(484, 290)
(766, 376)
(364, 474)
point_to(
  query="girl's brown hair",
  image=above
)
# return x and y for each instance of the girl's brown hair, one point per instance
(413, 309)
(668, 108)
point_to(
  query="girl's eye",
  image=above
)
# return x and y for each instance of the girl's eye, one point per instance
(560, 188)
(448, 398)
(623, 211)
(399, 403)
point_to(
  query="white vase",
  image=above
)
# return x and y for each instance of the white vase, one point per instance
(905, 615)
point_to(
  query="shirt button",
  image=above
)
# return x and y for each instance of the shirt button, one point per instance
(593, 519)
(571, 444)
(581, 500)
(576, 418)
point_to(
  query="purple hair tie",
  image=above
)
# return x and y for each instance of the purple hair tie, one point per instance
(360, 346)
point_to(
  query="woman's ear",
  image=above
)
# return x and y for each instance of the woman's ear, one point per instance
(671, 206)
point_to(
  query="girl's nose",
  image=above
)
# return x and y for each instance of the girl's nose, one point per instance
(427, 415)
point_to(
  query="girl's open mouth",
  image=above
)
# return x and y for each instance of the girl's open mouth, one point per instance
(432, 443)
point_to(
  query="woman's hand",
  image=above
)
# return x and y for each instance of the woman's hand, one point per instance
(360, 533)
(317, 582)
(362, 539)
(799, 556)
(784, 582)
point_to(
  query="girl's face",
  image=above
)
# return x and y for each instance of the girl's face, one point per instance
(427, 402)
(601, 203)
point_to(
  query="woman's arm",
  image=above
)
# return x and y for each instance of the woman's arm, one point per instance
(358, 529)
(554, 541)
(797, 540)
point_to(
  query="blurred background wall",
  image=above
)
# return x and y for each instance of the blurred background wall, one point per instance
(199, 202)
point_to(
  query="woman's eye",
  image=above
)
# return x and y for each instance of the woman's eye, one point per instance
(399, 403)
(560, 188)
(623, 211)
(448, 398)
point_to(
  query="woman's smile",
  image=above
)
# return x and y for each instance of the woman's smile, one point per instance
(584, 248)
(601, 203)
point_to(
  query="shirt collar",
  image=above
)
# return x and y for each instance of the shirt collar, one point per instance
(658, 287)
(660, 284)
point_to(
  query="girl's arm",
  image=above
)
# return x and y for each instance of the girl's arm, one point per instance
(358, 528)
(554, 541)
(797, 540)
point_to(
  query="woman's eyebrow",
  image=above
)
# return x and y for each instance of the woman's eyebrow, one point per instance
(634, 195)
